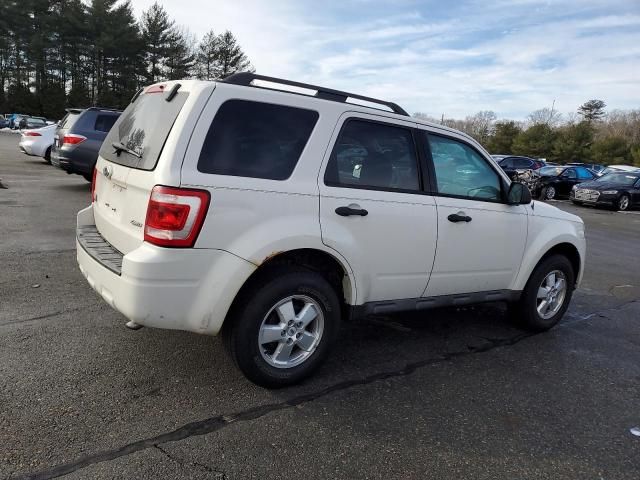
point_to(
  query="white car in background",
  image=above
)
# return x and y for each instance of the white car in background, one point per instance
(38, 142)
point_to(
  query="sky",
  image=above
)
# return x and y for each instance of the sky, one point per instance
(439, 57)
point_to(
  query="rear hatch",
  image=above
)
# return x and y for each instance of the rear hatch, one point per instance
(128, 158)
(65, 124)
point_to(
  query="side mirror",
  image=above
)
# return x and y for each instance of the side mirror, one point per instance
(518, 194)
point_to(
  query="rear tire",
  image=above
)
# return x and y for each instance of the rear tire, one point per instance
(274, 310)
(47, 156)
(531, 311)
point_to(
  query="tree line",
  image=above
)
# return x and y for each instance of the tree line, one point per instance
(73, 53)
(591, 134)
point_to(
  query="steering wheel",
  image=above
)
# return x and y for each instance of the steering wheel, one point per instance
(492, 192)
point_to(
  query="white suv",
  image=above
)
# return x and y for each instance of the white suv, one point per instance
(271, 215)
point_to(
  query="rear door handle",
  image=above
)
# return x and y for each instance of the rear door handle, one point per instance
(348, 211)
(458, 217)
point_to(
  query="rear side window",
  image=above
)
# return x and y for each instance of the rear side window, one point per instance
(143, 128)
(584, 174)
(104, 122)
(257, 140)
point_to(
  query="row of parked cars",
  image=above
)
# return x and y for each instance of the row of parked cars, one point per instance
(73, 143)
(615, 186)
(15, 121)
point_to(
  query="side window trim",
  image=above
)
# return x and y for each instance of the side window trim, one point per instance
(410, 129)
(432, 171)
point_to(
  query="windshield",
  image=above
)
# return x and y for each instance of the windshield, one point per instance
(551, 171)
(142, 129)
(619, 178)
(614, 170)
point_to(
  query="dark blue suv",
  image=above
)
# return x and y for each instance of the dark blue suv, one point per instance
(79, 137)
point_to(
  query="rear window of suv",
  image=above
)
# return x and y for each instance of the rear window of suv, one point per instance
(70, 118)
(257, 140)
(143, 128)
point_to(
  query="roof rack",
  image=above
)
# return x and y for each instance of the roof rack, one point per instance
(246, 79)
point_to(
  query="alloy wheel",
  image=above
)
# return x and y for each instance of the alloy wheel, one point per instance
(623, 203)
(551, 294)
(550, 193)
(291, 331)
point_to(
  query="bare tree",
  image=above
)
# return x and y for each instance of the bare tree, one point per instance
(545, 116)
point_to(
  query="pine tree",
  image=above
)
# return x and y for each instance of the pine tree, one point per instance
(157, 34)
(503, 136)
(231, 58)
(181, 57)
(592, 110)
(207, 57)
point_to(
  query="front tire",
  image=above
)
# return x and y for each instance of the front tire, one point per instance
(282, 330)
(548, 193)
(623, 203)
(547, 294)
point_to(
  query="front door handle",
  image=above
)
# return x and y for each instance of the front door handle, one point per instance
(458, 217)
(348, 211)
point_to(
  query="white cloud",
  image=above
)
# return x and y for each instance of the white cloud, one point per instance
(503, 56)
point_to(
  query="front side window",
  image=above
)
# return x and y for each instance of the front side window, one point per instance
(375, 156)
(507, 163)
(462, 172)
(257, 140)
(522, 163)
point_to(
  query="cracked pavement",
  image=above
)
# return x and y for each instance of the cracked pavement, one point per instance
(445, 394)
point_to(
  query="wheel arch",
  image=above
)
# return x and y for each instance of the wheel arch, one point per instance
(565, 248)
(568, 250)
(331, 267)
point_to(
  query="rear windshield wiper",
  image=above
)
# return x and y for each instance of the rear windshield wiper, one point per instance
(121, 148)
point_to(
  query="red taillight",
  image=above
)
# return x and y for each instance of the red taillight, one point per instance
(175, 216)
(72, 139)
(31, 134)
(93, 185)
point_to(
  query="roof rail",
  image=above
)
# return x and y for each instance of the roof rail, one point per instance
(104, 109)
(246, 79)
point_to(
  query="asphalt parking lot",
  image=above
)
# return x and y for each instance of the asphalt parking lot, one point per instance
(448, 395)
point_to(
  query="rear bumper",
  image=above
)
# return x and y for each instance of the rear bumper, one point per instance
(182, 289)
(26, 146)
(71, 161)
